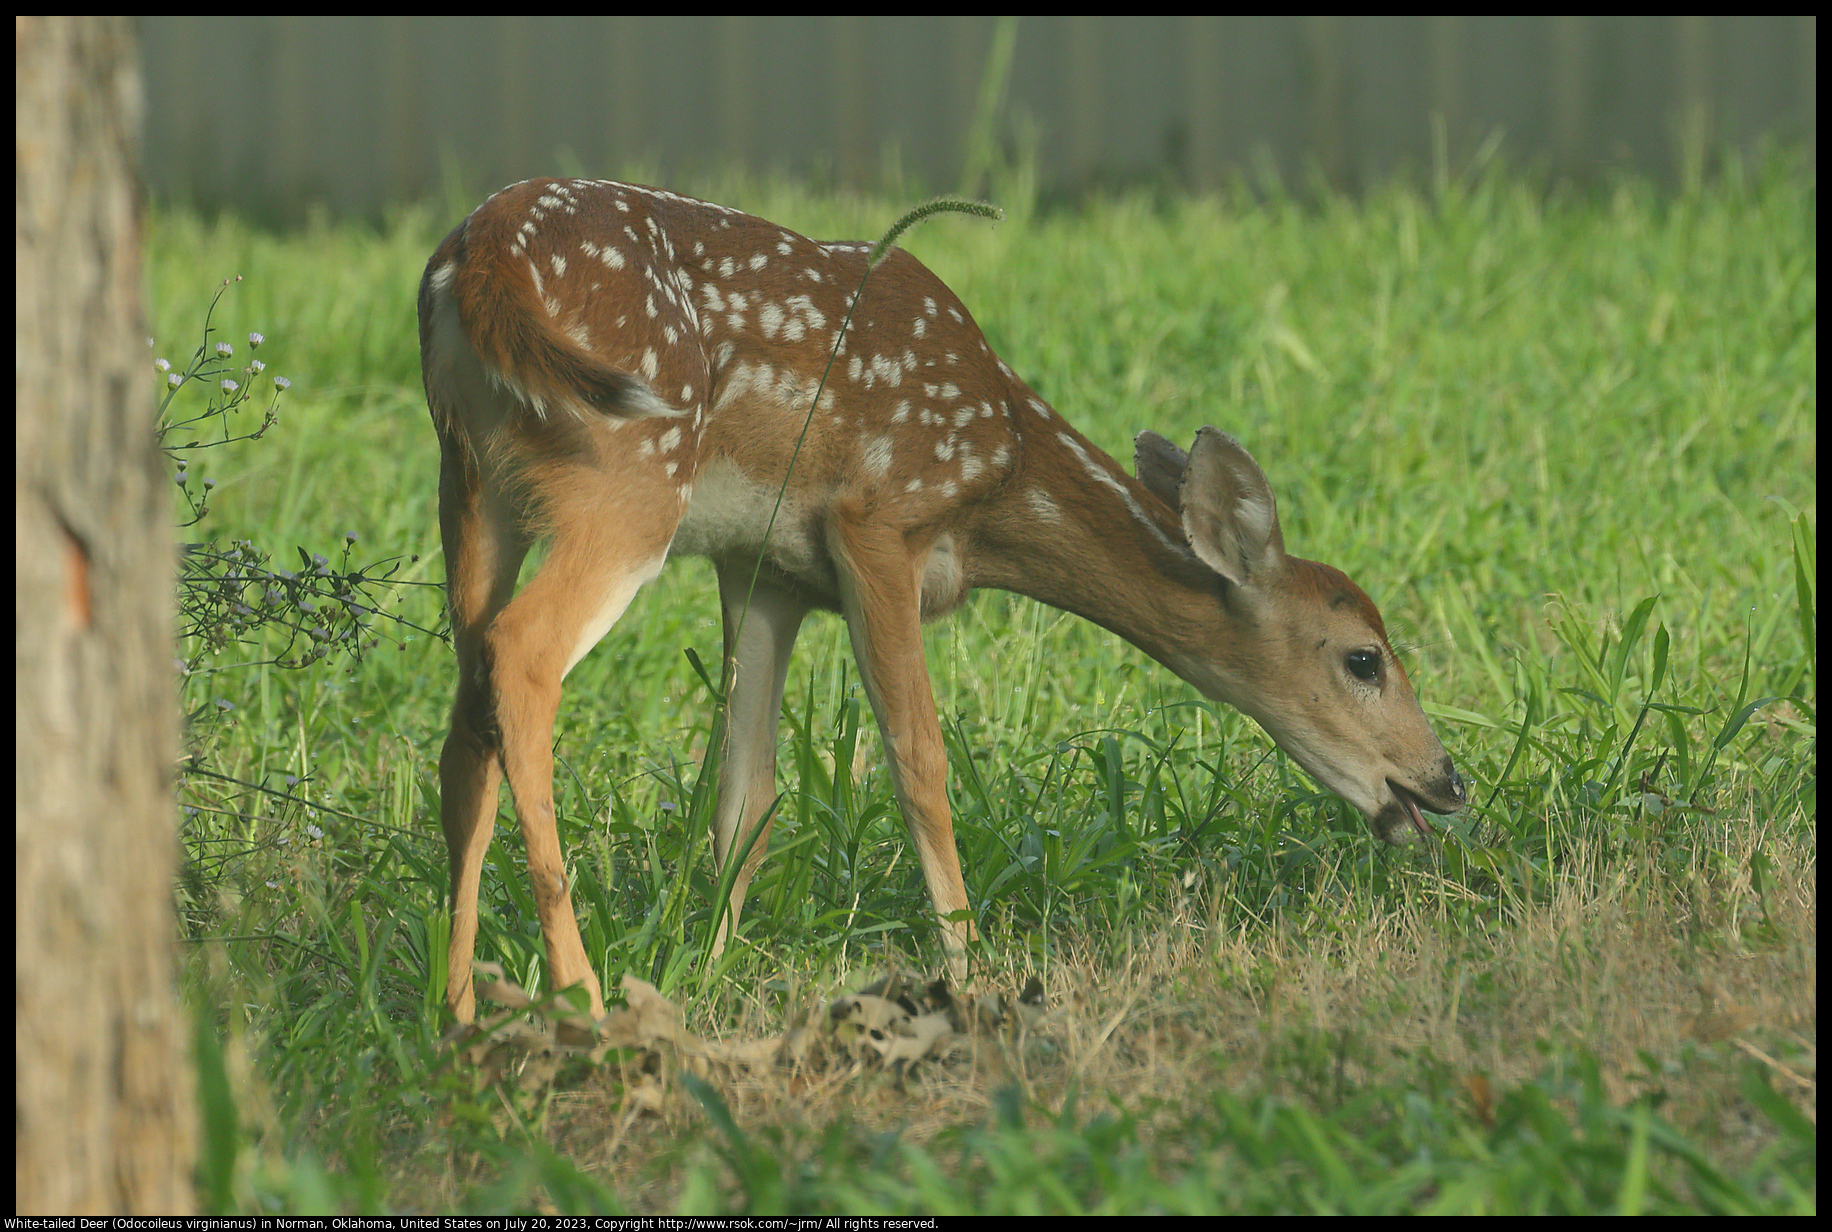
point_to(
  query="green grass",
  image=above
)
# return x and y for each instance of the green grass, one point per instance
(1567, 442)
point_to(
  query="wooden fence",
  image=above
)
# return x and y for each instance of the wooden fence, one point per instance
(276, 114)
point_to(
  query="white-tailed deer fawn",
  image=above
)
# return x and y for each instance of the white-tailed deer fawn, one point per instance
(626, 373)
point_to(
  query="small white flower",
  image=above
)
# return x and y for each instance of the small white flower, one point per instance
(282, 383)
(224, 350)
(163, 365)
(229, 386)
(174, 379)
(255, 340)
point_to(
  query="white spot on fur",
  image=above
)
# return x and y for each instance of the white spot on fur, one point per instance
(886, 369)
(813, 317)
(1105, 478)
(1042, 505)
(875, 458)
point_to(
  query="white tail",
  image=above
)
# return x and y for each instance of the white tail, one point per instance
(625, 372)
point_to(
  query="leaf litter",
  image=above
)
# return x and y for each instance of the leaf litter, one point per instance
(892, 1025)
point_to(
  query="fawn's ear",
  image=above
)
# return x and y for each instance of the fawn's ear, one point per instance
(1159, 466)
(1229, 512)
(1221, 496)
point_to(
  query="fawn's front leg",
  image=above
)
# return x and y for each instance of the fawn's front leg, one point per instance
(881, 597)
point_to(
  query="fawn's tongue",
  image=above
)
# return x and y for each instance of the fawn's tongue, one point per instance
(1412, 810)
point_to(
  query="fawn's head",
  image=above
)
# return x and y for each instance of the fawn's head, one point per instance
(1298, 646)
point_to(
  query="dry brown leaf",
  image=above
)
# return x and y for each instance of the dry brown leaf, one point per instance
(647, 1094)
(620, 1028)
(491, 985)
(659, 1020)
(1481, 1096)
(750, 1053)
(915, 1038)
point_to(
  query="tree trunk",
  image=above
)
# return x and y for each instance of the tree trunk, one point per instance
(104, 1101)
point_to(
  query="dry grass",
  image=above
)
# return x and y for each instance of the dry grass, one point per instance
(1672, 979)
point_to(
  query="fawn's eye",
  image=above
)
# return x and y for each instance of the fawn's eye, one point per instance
(1363, 665)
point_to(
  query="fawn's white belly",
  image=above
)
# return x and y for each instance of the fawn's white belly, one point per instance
(729, 513)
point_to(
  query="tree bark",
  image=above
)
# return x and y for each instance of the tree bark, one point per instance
(104, 1100)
